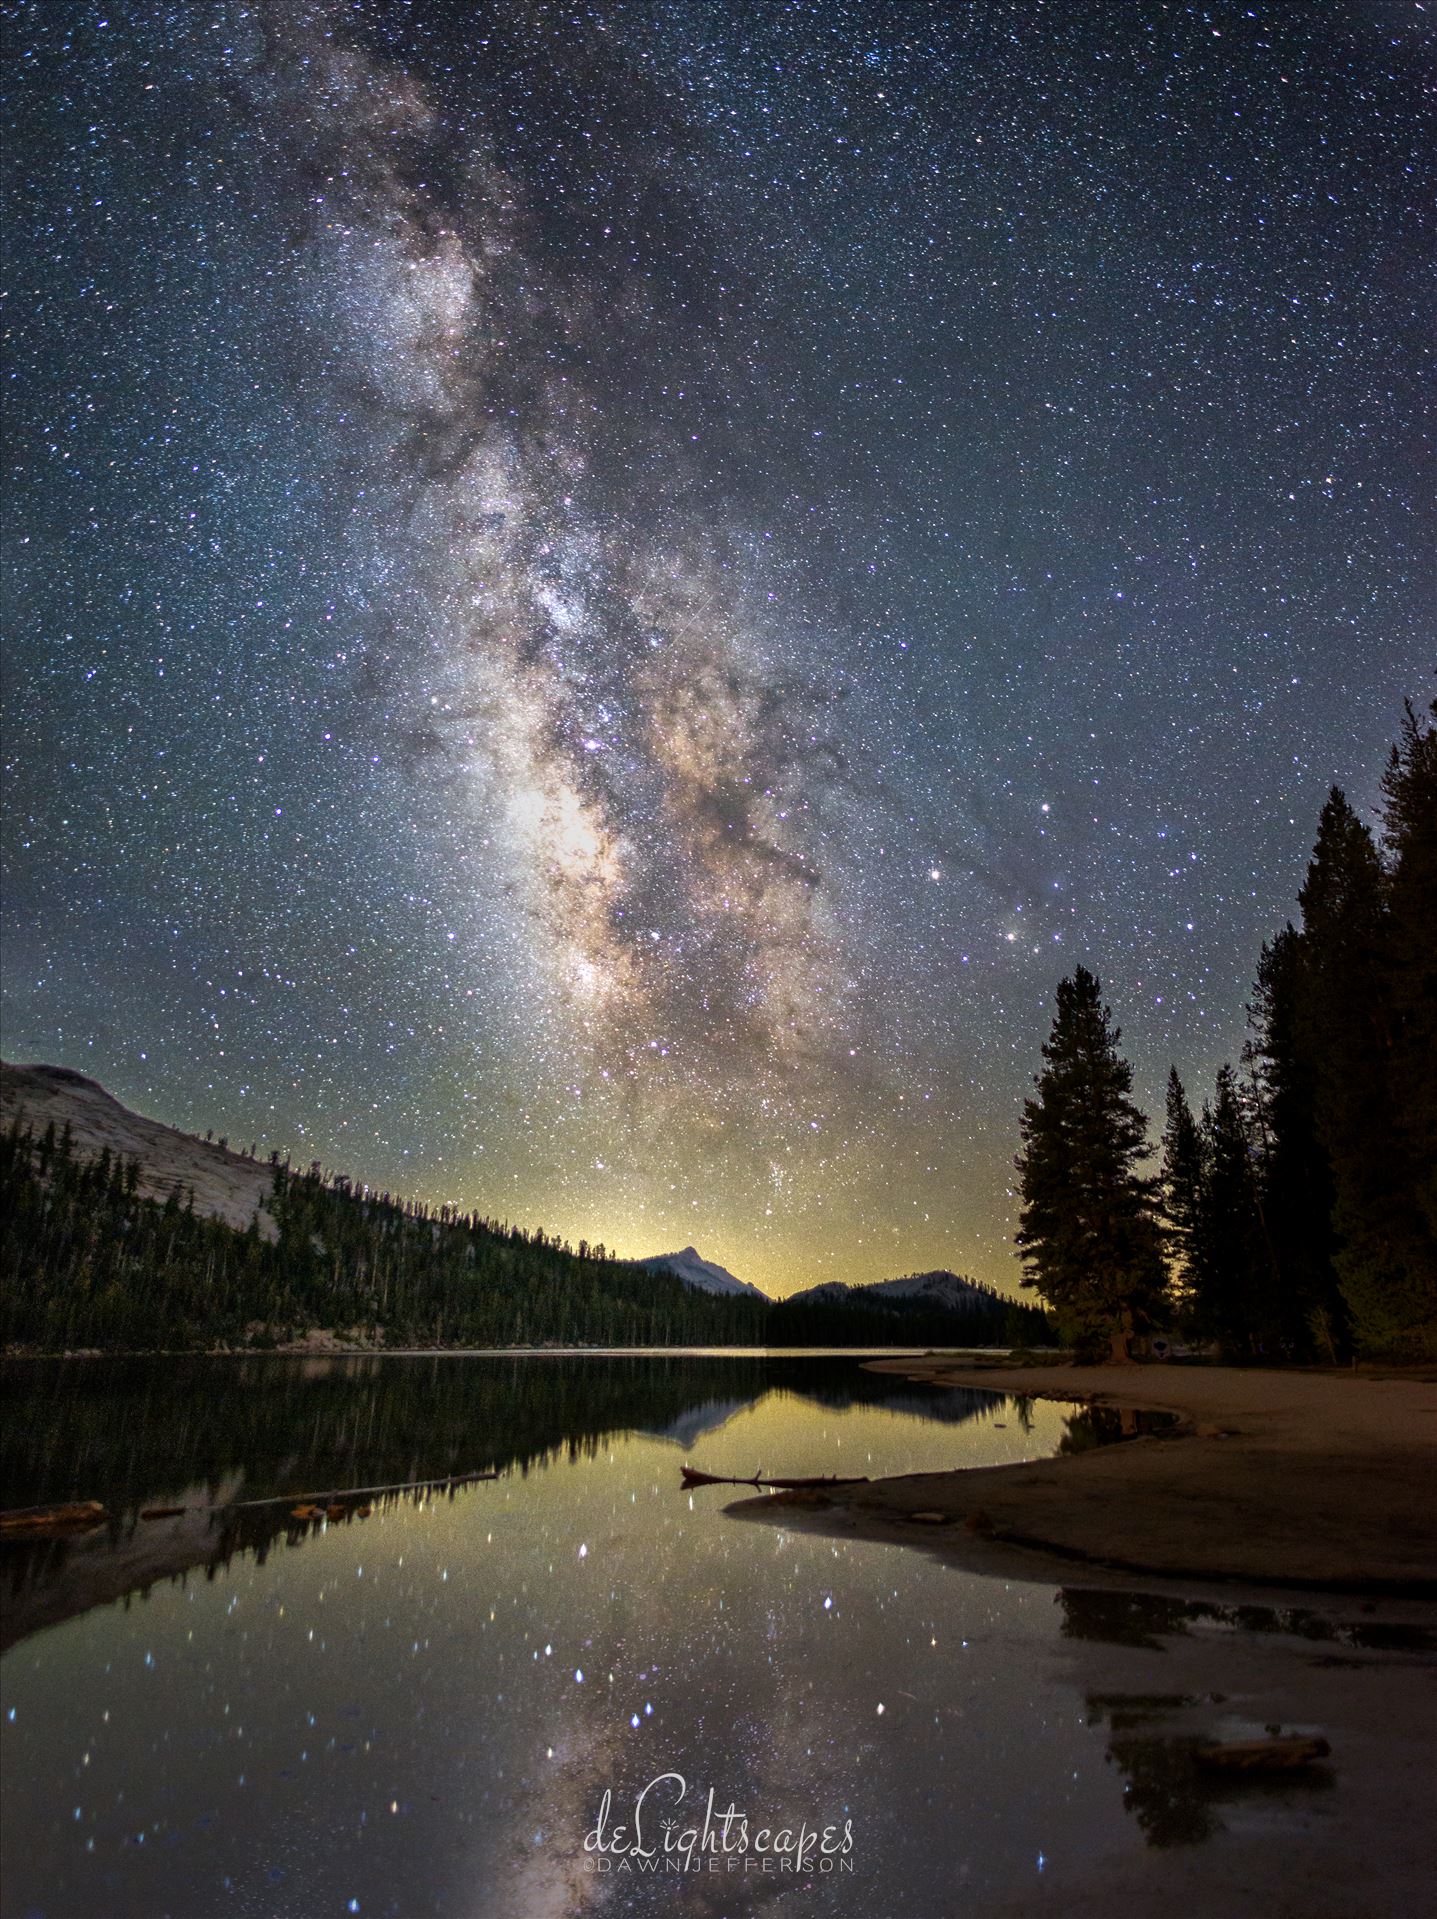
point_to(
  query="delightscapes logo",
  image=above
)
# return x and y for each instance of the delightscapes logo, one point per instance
(656, 1837)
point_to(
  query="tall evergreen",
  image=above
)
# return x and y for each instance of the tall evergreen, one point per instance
(1343, 1063)
(1089, 1231)
(1408, 1315)
(1294, 1173)
(1183, 1187)
(1346, 1026)
(1233, 1293)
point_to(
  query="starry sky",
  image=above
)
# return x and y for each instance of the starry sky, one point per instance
(601, 599)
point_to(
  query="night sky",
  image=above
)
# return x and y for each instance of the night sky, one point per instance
(600, 601)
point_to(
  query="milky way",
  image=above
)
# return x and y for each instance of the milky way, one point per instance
(602, 602)
(616, 738)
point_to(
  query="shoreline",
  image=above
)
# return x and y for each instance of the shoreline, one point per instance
(299, 1350)
(1278, 1577)
(1317, 1482)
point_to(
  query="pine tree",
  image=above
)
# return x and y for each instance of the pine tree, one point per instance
(1409, 837)
(1347, 1025)
(1233, 1292)
(1089, 1231)
(1294, 1174)
(1183, 1186)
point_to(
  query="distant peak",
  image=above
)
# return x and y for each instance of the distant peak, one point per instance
(691, 1266)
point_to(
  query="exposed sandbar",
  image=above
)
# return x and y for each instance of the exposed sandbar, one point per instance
(1322, 1480)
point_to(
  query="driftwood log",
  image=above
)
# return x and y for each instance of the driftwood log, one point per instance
(25, 1522)
(693, 1477)
(330, 1499)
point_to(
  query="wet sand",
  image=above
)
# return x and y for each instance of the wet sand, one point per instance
(1282, 1479)
(1271, 1565)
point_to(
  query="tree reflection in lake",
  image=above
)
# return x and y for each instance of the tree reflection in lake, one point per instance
(1175, 1800)
(418, 1712)
(211, 1434)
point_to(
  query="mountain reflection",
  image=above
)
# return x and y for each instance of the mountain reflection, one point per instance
(210, 1435)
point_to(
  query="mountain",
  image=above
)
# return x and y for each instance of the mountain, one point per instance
(694, 1270)
(124, 1234)
(121, 1234)
(227, 1186)
(938, 1308)
(941, 1288)
(939, 1291)
(691, 1425)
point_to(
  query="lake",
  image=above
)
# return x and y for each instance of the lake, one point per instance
(417, 1706)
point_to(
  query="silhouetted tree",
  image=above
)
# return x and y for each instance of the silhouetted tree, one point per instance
(1183, 1184)
(1294, 1174)
(1346, 1027)
(1089, 1233)
(1393, 1296)
(1233, 1292)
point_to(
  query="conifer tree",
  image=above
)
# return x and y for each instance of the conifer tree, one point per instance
(1182, 1186)
(1233, 1295)
(1294, 1174)
(1347, 1022)
(1409, 837)
(1089, 1233)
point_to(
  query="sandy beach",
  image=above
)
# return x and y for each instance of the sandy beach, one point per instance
(1321, 1481)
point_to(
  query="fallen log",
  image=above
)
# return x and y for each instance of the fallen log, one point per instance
(330, 1499)
(1288, 1752)
(693, 1477)
(24, 1522)
(29, 1522)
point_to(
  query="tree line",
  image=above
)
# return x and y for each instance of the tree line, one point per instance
(983, 1317)
(89, 1262)
(1294, 1216)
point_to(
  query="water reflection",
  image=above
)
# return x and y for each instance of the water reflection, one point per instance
(418, 1711)
(1175, 1800)
(1145, 1620)
(198, 1439)
(1110, 1425)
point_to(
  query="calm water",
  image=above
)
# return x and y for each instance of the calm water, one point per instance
(419, 1711)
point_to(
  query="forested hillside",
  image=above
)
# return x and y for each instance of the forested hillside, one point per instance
(984, 1318)
(87, 1260)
